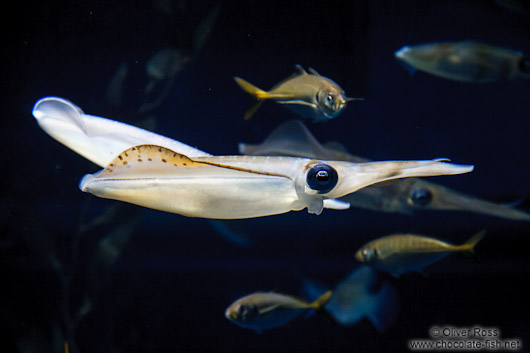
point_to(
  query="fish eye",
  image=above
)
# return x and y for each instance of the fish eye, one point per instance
(244, 312)
(330, 98)
(420, 197)
(368, 255)
(364, 252)
(322, 177)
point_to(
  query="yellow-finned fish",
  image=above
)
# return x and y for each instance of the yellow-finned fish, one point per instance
(308, 94)
(264, 310)
(401, 253)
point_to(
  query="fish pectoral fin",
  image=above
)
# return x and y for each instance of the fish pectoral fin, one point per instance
(335, 204)
(267, 309)
(299, 102)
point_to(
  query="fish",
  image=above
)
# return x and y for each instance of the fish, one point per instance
(308, 94)
(404, 196)
(166, 63)
(362, 294)
(398, 254)
(214, 187)
(265, 310)
(466, 61)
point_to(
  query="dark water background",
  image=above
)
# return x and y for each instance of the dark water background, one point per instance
(168, 287)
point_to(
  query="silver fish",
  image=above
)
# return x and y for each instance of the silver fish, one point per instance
(402, 253)
(466, 61)
(405, 196)
(308, 94)
(264, 310)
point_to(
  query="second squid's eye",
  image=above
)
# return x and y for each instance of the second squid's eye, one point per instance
(322, 177)
(420, 197)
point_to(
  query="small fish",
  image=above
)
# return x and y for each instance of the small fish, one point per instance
(166, 63)
(467, 61)
(264, 310)
(402, 253)
(308, 94)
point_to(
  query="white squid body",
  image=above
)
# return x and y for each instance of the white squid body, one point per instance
(154, 171)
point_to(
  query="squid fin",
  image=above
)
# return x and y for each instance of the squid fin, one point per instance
(146, 160)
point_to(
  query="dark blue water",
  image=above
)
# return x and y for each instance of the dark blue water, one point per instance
(169, 282)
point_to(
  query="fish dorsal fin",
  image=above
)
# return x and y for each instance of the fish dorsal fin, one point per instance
(314, 72)
(148, 160)
(301, 70)
(292, 138)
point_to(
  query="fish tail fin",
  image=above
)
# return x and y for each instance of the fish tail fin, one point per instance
(251, 89)
(383, 308)
(257, 93)
(321, 302)
(254, 105)
(469, 246)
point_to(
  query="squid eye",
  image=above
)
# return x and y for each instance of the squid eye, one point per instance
(420, 197)
(322, 177)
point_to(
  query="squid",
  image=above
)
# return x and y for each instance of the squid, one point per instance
(154, 171)
(404, 196)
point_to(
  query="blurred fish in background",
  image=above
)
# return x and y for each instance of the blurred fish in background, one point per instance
(364, 293)
(82, 280)
(402, 253)
(166, 63)
(466, 61)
